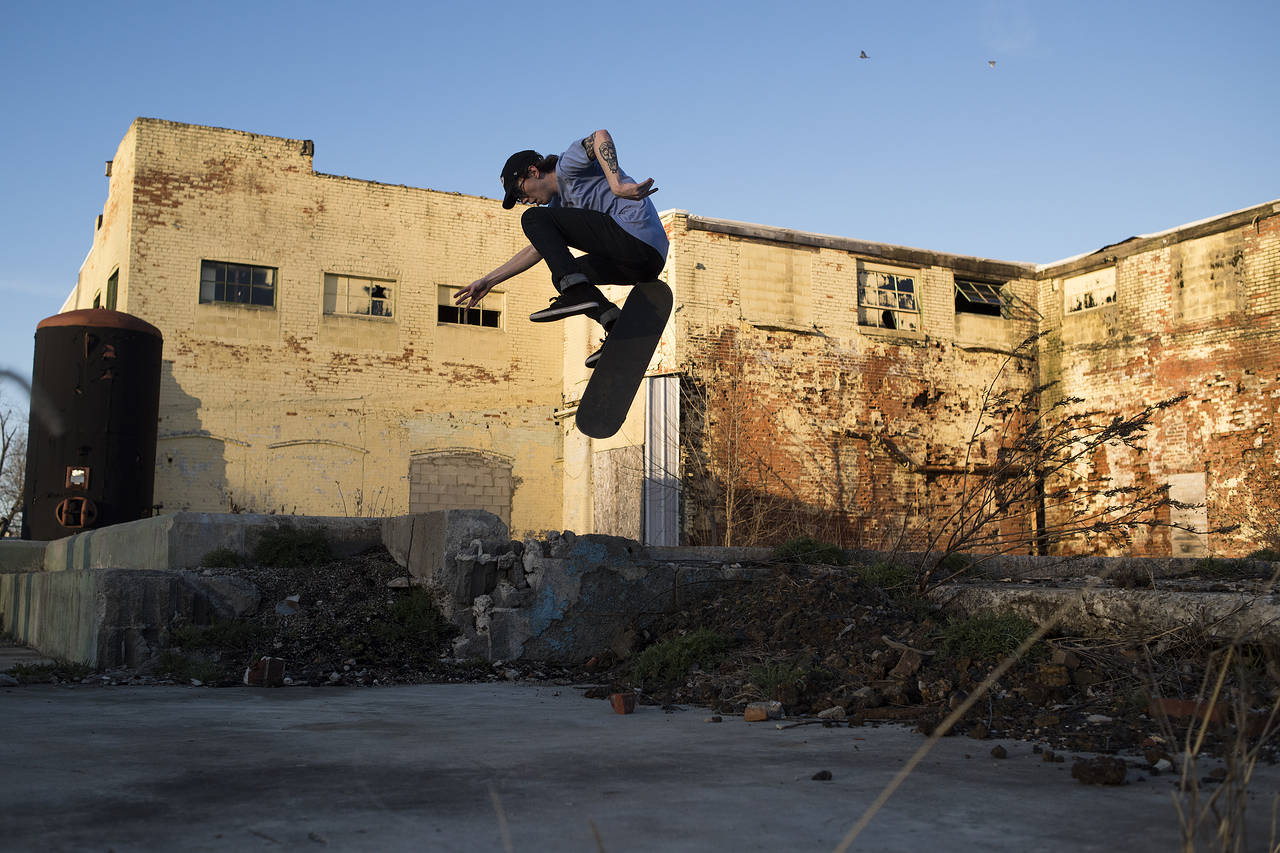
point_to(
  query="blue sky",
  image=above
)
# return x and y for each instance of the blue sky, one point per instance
(1099, 120)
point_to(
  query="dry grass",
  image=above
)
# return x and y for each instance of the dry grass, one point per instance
(1228, 694)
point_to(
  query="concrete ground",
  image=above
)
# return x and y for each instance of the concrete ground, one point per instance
(441, 767)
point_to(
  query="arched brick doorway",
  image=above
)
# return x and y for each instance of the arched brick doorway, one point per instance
(460, 479)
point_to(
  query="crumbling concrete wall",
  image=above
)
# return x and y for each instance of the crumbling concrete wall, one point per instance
(559, 597)
(113, 617)
(1099, 612)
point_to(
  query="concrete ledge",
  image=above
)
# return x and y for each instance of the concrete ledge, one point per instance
(1046, 568)
(429, 545)
(1103, 611)
(1006, 565)
(179, 541)
(707, 553)
(113, 617)
(21, 555)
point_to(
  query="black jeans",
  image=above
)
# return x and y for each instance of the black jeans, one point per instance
(612, 255)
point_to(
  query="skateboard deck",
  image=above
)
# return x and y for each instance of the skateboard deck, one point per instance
(624, 360)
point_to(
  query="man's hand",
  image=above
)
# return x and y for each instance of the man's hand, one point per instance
(635, 191)
(476, 290)
(472, 293)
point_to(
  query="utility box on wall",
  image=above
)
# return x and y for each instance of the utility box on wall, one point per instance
(91, 440)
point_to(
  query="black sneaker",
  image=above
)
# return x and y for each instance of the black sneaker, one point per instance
(578, 299)
(608, 327)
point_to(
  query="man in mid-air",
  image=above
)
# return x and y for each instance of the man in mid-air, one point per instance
(583, 201)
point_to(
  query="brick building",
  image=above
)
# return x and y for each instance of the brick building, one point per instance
(314, 364)
(1193, 310)
(825, 414)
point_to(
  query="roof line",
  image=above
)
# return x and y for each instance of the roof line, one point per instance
(1179, 233)
(909, 254)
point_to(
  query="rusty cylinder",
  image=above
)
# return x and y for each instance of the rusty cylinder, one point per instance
(91, 440)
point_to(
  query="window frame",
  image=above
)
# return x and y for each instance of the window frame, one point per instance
(482, 312)
(996, 305)
(879, 308)
(251, 287)
(1090, 286)
(113, 287)
(344, 280)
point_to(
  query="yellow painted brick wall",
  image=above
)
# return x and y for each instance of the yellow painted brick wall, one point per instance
(111, 234)
(287, 409)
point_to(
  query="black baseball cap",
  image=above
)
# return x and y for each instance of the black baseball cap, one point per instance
(517, 165)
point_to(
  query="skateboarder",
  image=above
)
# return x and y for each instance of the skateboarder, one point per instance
(586, 202)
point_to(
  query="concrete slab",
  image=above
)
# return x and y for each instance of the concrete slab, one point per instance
(1067, 566)
(112, 617)
(1099, 611)
(12, 656)
(20, 555)
(429, 767)
(180, 540)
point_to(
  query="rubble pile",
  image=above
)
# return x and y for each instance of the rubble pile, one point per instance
(827, 644)
(353, 621)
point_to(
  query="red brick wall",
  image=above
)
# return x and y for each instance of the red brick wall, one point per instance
(814, 425)
(832, 431)
(1195, 313)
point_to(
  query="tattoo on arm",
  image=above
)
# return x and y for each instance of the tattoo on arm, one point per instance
(609, 156)
(590, 145)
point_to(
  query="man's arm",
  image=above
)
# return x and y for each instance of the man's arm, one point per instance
(599, 147)
(476, 290)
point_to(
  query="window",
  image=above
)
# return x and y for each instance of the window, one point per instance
(488, 313)
(363, 297)
(239, 283)
(978, 297)
(887, 299)
(112, 283)
(1091, 290)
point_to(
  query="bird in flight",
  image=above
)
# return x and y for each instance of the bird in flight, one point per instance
(991, 63)
(864, 55)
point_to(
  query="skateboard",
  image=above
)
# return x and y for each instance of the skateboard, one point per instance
(624, 360)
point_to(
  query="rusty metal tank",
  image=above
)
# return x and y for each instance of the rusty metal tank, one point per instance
(91, 441)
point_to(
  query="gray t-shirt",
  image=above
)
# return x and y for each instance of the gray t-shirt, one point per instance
(583, 184)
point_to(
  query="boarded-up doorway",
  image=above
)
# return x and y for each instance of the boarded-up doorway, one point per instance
(460, 479)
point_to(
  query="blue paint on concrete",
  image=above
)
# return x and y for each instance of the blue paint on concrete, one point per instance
(552, 603)
(546, 608)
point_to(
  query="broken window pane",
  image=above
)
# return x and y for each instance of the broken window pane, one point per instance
(1090, 290)
(879, 290)
(979, 297)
